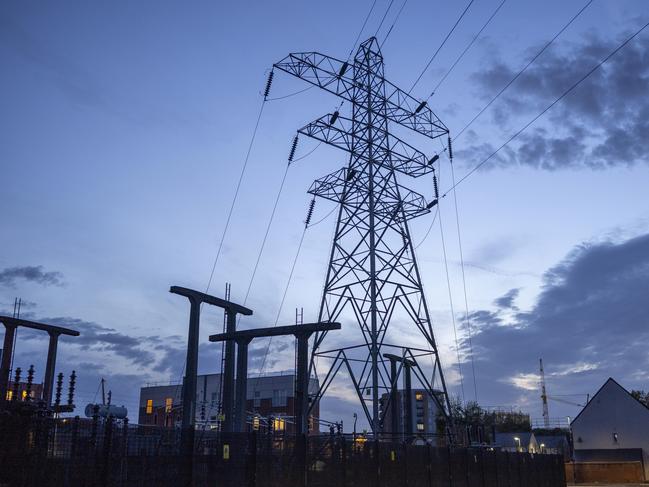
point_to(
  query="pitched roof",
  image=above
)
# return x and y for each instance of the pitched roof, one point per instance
(610, 380)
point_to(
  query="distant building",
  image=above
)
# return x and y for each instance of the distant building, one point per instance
(518, 441)
(425, 412)
(613, 427)
(267, 396)
(557, 444)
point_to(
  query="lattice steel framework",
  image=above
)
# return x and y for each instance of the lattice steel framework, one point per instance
(372, 271)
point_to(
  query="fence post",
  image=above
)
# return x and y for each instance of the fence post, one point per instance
(123, 469)
(252, 466)
(405, 464)
(108, 437)
(429, 459)
(450, 466)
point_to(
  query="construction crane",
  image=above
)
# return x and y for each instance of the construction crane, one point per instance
(544, 397)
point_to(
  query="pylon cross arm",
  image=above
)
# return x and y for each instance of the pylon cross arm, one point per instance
(337, 77)
(389, 151)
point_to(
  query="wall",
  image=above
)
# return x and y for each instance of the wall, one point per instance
(613, 410)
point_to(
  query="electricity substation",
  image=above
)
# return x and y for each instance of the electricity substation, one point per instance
(373, 291)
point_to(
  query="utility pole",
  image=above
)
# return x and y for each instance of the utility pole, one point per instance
(372, 278)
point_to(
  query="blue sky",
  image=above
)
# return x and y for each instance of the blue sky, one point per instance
(125, 126)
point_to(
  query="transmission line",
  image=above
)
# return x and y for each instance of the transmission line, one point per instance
(530, 62)
(440, 46)
(475, 38)
(557, 100)
(383, 18)
(393, 24)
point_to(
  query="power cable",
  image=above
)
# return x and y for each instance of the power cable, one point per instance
(290, 94)
(450, 299)
(236, 194)
(466, 301)
(360, 32)
(383, 19)
(475, 38)
(530, 62)
(393, 24)
(557, 100)
(440, 47)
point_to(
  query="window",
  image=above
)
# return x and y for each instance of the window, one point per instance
(420, 426)
(24, 395)
(257, 399)
(149, 406)
(214, 398)
(279, 397)
(419, 396)
(169, 402)
(10, 395)
(278, 424)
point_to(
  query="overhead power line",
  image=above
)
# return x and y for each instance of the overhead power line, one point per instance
(440, 46)
(475, 38)
(557, 100)
(396, 19)
(530, 62)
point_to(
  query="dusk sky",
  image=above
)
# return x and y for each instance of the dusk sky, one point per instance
(125, 126)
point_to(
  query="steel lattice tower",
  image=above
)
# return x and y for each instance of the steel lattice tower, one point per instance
(372, 273)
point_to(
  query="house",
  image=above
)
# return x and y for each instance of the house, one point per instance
(612, 428)
(522, 441)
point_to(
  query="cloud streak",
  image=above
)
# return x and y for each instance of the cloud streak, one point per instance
(36, 274)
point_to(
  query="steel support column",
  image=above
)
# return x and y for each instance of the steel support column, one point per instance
(302, 384)
(242, 385)
(49, 368)
(408, 400)
(227, 401)
(5, 365)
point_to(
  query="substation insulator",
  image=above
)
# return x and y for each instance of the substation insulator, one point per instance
(431, 204)
(435, 186)
(269, 82)
(421, 106)
(343, 69)
(73, 381)
(334, 117)
(433, 159)
(30, 380)
(291, 154)
(450, 148)
(309, 213)
(59, 389)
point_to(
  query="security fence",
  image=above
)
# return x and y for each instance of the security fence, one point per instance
(77, 452)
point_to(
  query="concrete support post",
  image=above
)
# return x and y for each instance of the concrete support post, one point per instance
(227, 401)
(5, 365)
(302, 384)
(394, 398)
(48, 384)
(408, 400)
(242, 385)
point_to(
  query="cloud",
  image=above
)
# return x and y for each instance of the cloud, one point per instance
(36, 274)
(602, 123)
(590, 321)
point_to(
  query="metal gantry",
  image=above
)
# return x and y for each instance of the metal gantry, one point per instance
(372, 278)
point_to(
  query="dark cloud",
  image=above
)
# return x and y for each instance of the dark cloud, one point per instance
(602, 123)
(590, 321)
(507, 300)
(36, 274)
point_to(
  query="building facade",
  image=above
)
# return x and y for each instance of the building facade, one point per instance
(271, 396)
(612, 427)
(424, 411)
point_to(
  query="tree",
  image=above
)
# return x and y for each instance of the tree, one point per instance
(641, 396)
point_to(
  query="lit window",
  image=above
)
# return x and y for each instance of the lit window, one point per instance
(420, 426)
(419, 396)
(168, 403)
(149, 406)
(24, 395)
(278, 424)
(10, 395)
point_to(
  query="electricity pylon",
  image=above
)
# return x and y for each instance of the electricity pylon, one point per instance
(372, 274)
